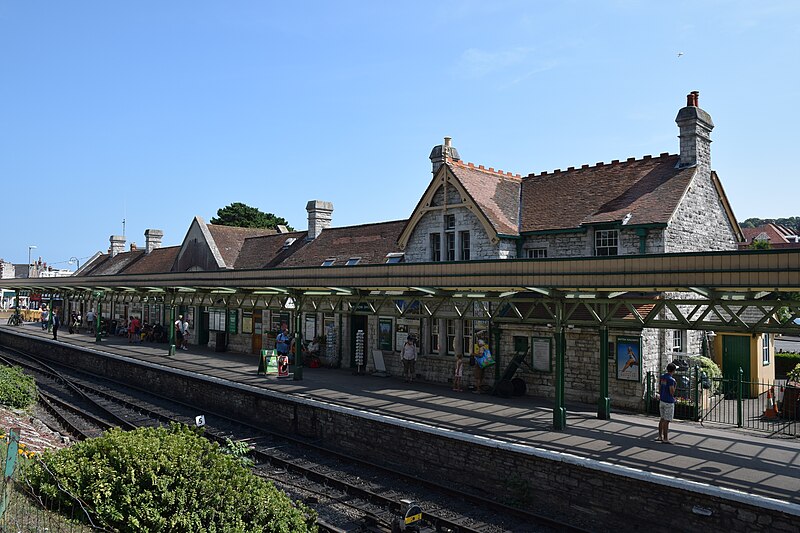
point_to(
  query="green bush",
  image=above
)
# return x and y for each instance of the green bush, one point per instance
(17, 389)
(711, 369)
(794, 374)
(166, 480)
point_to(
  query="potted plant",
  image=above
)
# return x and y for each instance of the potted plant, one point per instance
(791, 394)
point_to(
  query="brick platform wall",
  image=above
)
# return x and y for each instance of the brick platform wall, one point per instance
(560, 485)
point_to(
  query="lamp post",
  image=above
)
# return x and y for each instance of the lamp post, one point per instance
(30, 247)
(75, 261)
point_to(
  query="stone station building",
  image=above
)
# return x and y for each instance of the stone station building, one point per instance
(652, 205)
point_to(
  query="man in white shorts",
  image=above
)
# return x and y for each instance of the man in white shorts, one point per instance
(666, 390)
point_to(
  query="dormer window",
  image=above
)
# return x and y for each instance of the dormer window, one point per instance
(606, 242)
(329, 262)
(352, 261)
(394, 257)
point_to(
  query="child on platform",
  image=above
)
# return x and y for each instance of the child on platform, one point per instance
(459, 372)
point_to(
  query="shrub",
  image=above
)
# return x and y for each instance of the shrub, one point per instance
(17, 389)
(794, 374)
(163, 479)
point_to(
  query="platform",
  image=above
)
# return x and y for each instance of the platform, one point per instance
(728, 459)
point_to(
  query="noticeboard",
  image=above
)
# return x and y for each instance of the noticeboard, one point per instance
(233, 321)
(541, 354)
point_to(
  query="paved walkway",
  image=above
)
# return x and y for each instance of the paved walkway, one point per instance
(729, 459)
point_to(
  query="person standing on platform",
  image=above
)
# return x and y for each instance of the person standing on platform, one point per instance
(56, 324)
(459, 372)
(90, 319)
(133, 329)
(666, 404)
(185, 332)
(282, 341)
(477, 370)
(179, 331)
(44, 316)
(409, 355)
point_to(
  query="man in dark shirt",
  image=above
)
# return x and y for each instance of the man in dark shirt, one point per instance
(666, 390)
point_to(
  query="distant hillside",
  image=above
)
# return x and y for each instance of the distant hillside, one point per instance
(791, 222)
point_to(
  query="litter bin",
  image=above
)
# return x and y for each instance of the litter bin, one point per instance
(221, 344)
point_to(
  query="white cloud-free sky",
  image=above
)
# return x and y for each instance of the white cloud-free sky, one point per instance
(159, 111)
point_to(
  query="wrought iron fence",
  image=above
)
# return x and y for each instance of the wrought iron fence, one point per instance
(771, 407)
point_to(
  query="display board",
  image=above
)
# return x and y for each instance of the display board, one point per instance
(541, 354)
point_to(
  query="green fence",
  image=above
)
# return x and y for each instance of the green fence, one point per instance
(771, 407)
(20, 509)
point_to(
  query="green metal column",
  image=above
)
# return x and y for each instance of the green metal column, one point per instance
(495, 350)
(298, 339)
(739, 407)
(97, 319)
(16, 303)
(604, 402)
(560, 411)
(171, 329)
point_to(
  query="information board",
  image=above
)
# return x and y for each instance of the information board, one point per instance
(541, 354)
(233, 321)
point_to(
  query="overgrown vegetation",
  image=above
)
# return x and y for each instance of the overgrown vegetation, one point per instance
(17, 389)
(166, 480)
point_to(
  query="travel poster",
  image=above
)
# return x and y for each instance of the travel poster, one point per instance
(629, 358)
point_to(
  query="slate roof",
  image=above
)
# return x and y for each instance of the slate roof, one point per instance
(648, 189)
(158, 261)
(268, 250)
(109, 266)
(229, 239)
(370, 242)
(496, 193)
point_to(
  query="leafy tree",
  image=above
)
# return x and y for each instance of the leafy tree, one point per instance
(243, 216)
(760, 244)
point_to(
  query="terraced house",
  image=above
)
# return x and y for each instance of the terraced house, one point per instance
(670, 203)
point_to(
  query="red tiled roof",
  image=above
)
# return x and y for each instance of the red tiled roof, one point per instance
(495, 192)
(229, 239)
(778, 236)
(158, 261)
(269, 250)
(370, 242)
(648, 189)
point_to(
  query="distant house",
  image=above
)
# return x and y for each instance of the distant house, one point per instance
(775, 235)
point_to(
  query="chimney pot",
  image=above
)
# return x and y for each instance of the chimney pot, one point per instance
(133, 247)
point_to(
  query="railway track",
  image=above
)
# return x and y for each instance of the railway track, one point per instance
(349, 495)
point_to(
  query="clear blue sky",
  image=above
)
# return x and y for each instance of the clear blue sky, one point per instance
(158, 111)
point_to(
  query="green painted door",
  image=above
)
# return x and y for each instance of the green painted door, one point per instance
(735, 355)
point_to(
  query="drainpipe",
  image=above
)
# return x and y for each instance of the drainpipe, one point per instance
(642, 233)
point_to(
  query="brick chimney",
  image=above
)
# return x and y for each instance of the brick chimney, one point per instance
(695, 127)
(319, 217)
(117, 245)
(134, 247)
(152, 239)
(441, 153)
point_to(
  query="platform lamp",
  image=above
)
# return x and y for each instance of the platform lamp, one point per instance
(30, 247)
(75, 261)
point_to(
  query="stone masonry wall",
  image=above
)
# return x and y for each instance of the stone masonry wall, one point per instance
(699, 223)
(585, 492)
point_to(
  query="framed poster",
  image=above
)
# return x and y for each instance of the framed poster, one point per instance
(541, 354)
(247, 322)
(629, 358)
(385, 334)
(310, 327)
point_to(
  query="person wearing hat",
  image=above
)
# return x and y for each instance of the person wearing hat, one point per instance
(666, 404)
(477, 371)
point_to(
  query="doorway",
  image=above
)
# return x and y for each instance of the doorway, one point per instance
(358, 323)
